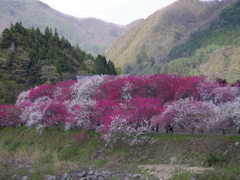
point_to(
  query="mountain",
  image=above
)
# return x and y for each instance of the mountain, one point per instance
(144, 48)
(213, 52)
(92, 35)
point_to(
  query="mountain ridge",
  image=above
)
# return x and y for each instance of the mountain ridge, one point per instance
(34, 13)
(213, 52)
(148, 43)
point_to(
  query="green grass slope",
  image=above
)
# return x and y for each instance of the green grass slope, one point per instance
(53, 151)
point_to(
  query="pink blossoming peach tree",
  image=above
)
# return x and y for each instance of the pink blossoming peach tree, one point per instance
(125, 103)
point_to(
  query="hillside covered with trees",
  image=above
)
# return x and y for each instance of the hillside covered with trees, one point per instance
(213, 52)
(29, 58)
(189, 37)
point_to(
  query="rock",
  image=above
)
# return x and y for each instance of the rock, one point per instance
(31, 170)
(94, 177)
(21, 166)
(7, 162)
(48, 177)
(97, 173)
(105, 173)
(15, 176)
(25, 178)
(65, 176)
(136, 176)
(90, 172)
(100, 178)
(173, 160)
(81, 174)
(127, 178)
(193, 178)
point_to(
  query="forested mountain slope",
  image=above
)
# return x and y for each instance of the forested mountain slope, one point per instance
(29, 58)
(93, 35)
(145, 47)
(213, 52)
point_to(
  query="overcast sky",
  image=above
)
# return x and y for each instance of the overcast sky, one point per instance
(115, 11)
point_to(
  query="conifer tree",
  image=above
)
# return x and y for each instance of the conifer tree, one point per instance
(101, 66)
(6, 39)
(111, 68)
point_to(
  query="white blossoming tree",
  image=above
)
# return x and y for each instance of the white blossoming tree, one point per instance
(191, 114)
(230, 113)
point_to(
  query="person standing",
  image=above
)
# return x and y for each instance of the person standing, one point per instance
(200, 131)
(157, 127)
(167, 127)
(238, 130)
(223, 130)
(171, 128)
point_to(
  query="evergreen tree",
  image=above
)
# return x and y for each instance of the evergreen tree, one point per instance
(101, 66)
(7, 39)
(48, 33)
(49, 74)
(56, 37)
(111, 68)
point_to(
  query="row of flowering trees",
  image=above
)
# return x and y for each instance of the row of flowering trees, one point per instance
(130, 104)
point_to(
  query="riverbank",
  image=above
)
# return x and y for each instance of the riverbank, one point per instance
(27, 153)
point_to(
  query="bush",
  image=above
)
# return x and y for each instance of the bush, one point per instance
(68, 153)
(182, 175)
(9, 141)
(211, 159)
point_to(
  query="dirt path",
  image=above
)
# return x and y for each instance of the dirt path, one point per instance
(165, 171)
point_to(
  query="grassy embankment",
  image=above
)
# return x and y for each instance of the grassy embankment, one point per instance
(54, 152)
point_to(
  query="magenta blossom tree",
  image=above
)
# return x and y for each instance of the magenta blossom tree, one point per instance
(54, 114)
(105, 109)
(127, 101)
(206, 89)
(42, 90)
(189, 88)
(140, 111)
(9, 115)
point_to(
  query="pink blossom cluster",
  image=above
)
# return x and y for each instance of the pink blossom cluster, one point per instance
(10, 115)
(125, 103)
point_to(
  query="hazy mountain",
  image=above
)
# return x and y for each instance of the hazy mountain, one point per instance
(93, 35)
(144, 48)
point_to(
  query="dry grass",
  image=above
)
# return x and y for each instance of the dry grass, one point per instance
(54, 152)
(4, 154)
(42, 161)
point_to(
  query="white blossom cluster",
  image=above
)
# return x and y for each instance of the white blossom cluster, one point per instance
(192, 114)
(120, 128)
(33, 115)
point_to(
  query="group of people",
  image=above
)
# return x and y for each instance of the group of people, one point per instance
(169, 128)
(223, 130)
